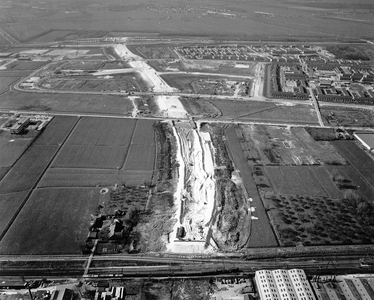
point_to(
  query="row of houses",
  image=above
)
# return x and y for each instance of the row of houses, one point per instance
(342, 95)
(291, 73)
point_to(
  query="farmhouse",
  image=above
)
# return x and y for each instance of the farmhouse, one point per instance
(366, 139)
(283, 285)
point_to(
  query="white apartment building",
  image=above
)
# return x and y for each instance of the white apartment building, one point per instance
(283, 285)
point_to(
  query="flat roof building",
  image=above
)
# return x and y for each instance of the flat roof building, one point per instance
(366, 139)
(345, 287)
(283, 285)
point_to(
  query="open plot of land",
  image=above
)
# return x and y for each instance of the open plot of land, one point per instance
(3, 171)
(81, 177)
(261, 231)
(67, 103)
(11, 148)
(265, 112)
(9, 204)
(313, 181)
(97, 143)
(25, 173)
(5, 82)
(56, 131)
(154, 52)
(53, 221)
(27, 170)
(141, 153)
(208, 85)
(287, 146)
(82, 65)
(356, 156)
(102, 152)
(25, 65)
(341, 116)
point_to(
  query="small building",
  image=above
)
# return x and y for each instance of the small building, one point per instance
(20, 125)
(366, 139)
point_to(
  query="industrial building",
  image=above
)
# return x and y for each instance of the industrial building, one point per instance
(283, 285)
(345, 287)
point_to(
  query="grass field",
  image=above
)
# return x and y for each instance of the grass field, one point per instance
(25, 65)
(67, 103)
(53, 221)
(141, 153)
(25, 173)
(27, 170)
(102, 152)
(97, 143)
(5, 82)
(9, 204)
(3, 171)
(12, 147)
(263, 112)
(312, 181)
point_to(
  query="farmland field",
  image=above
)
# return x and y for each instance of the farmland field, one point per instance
(25, 173)
(3, 171)
(102, 152)
(27, 170)
(5, 82)
(97, 143)
(25, 65)
(66, 103)
(11, 148)
(313, 181)
(53, 221)
(81, 177)
(9, 204)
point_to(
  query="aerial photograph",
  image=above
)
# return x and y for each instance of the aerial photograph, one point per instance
(187, 150)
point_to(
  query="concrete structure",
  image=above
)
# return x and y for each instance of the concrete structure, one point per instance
(345, 287)
(20, 125)
(366, 139)
(283, 285)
